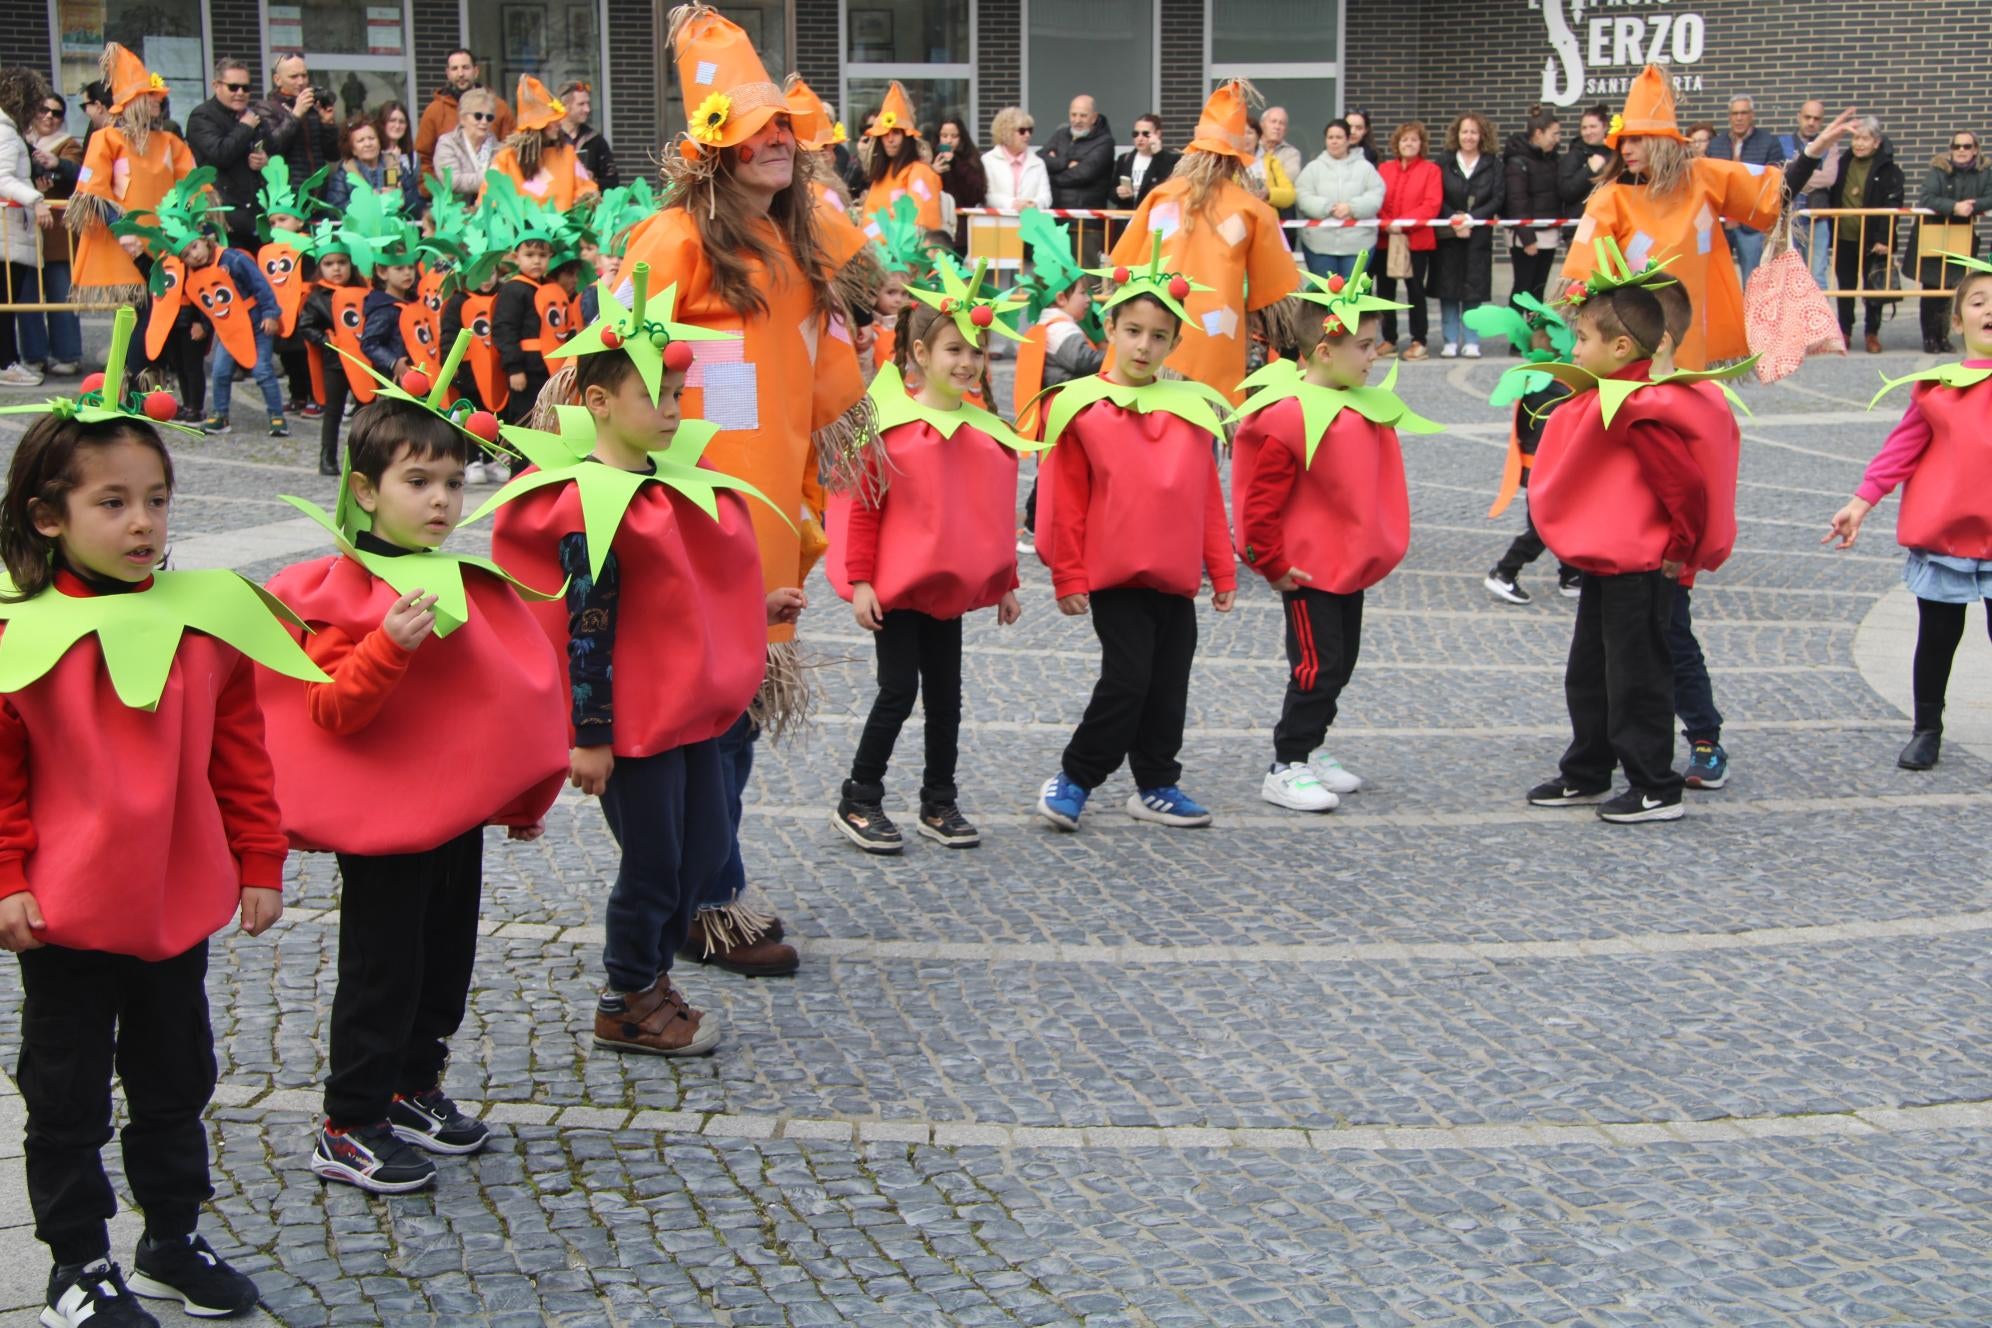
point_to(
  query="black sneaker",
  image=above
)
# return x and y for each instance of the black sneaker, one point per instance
(189, 1271)
(943, 823)
(866, 825)
(371, 1157)
(430, 1120)
(1570, 587)
(1636, 805)
(92, 1294)
(1557, 793)
(1507, 588)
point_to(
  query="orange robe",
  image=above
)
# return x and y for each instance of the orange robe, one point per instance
(125, 180)
(1236, 249)
(918, 180)
(1687, 227)
(561, 179)
(747, 387)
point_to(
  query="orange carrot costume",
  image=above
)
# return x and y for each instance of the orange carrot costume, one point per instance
(559, 178)
(128, 165)
(1682, 228)
(1233, 243)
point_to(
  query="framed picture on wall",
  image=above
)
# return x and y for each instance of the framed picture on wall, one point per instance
(871, 29)
(523, 31)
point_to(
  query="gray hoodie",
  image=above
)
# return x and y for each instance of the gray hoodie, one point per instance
(1325, 182)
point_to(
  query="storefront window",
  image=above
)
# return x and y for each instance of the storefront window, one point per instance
(1291, 51)
(1105, 48)
(166, 34)
(934, 100)
(558, 43)
(361, 51)
(927, 45)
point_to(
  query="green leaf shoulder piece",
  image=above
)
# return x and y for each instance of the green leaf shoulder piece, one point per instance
(139, 633)
(606, 491)
(438, 573)
(893, 404)
(1958, 375)
(1282, 380)
(1192, 402)
(1614, 392)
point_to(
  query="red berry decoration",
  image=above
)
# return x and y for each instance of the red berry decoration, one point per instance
(94, 383)
(611, 338)
(982, 315)
(1120, 276)
(160, 406)
(678, 356)
(1335, 283)
(483, 424)
(1178, 287)
(416, 383)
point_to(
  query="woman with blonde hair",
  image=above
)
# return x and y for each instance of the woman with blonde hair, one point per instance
(466, 151)
(1017, 177)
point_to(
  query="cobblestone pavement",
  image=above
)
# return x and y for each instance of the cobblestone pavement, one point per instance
(1435, 1059)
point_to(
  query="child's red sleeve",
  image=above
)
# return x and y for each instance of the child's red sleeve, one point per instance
(1218, 558)
(861, 538)
(362, 677)
(1071, 478)
(1264, 508)
(17, 832)
(240, 774)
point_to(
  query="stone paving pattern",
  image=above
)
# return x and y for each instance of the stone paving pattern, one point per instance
(968, 1130)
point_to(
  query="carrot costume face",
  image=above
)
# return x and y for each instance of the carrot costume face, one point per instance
(233, 317)
(283, 268)
(485, 367)
(168, 278)
(346, 323)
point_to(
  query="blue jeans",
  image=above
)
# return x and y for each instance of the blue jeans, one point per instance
(1324, 265)
(221, 386)
(1694, 694)
(665, 812)
(1749, 247)
(736, 763)
(1452, 324)
(56, 338)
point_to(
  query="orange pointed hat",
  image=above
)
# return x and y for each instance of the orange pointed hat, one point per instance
(128, 77)
(827, 130)
(1221, 127)
(537, 108)
(728, 94)
(896, 113)
(1649, 110)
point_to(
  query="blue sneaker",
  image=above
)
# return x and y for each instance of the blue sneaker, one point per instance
(1708, 767)
(1168, 805)
(1060, 801)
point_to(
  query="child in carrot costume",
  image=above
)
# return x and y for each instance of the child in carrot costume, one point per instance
(285, 261)
(328, 324)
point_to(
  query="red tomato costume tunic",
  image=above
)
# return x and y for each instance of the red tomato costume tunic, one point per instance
(1944, 504)
(1345, 519)
(690, 637)
(430, 762)
(137, 830)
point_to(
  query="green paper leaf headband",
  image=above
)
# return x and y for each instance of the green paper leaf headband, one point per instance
(187, 213)
(1520, 324)
(1168, 288)
(619, 210)
(524, 219)
(973, 312)
(376, 233)
(1613, 272)
(107, 400)
(1053, 269)
(1962, 260)
(276, 197)
(644, 331)
(1346, 299)
(900, 241)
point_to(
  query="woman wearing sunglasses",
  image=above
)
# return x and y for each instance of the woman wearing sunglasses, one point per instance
(1957, 187)
(466, 151)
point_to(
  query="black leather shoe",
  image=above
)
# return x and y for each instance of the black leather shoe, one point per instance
(1921, 753)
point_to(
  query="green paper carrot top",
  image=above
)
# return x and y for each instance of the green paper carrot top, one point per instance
(102, 396)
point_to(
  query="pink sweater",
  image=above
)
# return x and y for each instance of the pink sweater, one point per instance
(1904, 447)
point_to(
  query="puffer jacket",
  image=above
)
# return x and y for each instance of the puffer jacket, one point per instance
(1945, 186)
(18, 194)
(1534, 185)
(1325, 182)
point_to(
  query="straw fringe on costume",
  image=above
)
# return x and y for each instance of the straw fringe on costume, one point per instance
(742, 922)
(851, 454)
(786, 700)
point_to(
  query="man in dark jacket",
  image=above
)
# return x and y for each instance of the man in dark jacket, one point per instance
(1813, 238)
(292, 125)
(1747, 143)
(1958, 188)
(225, 133)
(1137, 172)
(589, 145)
(1080, 161)
(1533, 190)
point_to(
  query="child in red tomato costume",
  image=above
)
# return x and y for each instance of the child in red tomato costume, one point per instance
(1938, 452)
(923, 540)
(383, 767)
(1322, 512)
(1130, 518)
(136, 820)
(1634, 484)
(662, 632)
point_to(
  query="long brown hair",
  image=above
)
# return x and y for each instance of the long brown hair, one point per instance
(39, 480)
(722, 214)
(1669, 163)
(882, 165)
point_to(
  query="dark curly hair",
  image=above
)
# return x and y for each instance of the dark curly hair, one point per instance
(22, 91)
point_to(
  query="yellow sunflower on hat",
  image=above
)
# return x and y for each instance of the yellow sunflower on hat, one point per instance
(709, 120)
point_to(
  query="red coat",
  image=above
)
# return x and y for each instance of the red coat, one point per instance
(1411, 193)
(691, 633)
(943, 538)
(1345, 520)
(137, 829)
(1629, 497)
(1133, 499)
(1944, 506)
(424, 767)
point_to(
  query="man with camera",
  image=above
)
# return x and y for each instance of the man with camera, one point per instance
(226, 133)
(439, 117)
(294, 125)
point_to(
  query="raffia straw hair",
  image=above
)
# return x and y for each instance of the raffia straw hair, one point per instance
(558, 391)
(1205, 173)
(526, 145)
(783, 705)
(1669, 163)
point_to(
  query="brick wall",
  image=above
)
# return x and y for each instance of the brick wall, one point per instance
(1416, 57)
(818, 55)
(1184, 88)
(24, 40)
(236, 31)
(438, 31)
(999, 60)
(636, 45)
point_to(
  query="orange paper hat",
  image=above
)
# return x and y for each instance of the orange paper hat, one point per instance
(728, 94)
(1221, 127)
(1649, 110)
(537, 108)
(128, 77)
(896, 113)
(804, 102)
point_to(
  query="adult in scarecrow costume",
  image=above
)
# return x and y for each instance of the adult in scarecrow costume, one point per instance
(739, 239)
(1662, 204)
(896, 170)
(538, 155)
(130, 164)
(1211, 224)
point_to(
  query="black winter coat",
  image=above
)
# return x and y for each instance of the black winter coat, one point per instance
(1463, 270)
(218, 139)
(1574, 176)
(1089, 183)
(1534, 186)
(1885, 189)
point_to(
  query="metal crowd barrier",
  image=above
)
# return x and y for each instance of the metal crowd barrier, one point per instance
(1881, 276)
(12, 215)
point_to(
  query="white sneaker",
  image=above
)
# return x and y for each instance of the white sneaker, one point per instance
(1471, 351)
(1295, 788)
(1449, 351)
(474, 473)
(1332, 775)
(20, 375)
